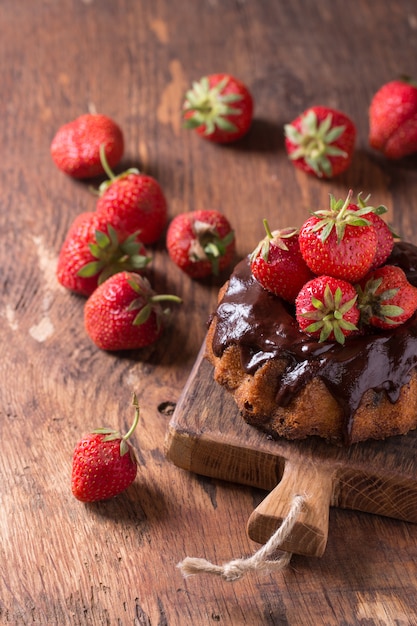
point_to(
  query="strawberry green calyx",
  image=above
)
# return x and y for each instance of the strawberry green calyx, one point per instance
(148, 301)
(378, 210)
(112, 177)
(112, 435)
(363, 203)
(278, 237)
(342, 213)
(315, 142)
(208, 245)
(209, 106)
(328, 316)
(112, 256)
(370, 303)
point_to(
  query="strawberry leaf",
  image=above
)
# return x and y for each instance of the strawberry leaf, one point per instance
(334, 134)
(390, 310)
(112, 436)
(91, 269)
(143, 315)
(103, 431)
(231, 97)
(102, 239)
(338, 335)
(225, 124)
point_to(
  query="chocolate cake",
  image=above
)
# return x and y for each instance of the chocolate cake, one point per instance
(288, 384)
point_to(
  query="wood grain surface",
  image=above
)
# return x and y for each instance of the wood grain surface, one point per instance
(207, 435)
(114, 563)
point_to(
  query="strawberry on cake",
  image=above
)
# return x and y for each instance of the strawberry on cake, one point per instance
(315, 332)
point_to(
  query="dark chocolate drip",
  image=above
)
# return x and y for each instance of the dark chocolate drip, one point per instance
(264, 327)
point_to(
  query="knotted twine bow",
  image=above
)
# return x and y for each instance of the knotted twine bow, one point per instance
(237, 568)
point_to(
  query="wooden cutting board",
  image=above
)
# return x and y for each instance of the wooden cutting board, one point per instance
(207, 436)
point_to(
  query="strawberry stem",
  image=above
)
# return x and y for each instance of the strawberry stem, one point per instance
(166, 296)
(105, 164)
(345, 205)
(267, 229)
(110, 174)
(124, 448)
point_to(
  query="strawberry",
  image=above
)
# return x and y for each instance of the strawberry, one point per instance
(124, 313)
(393, 119)
(385, 236)
(219, 107)
(340, 241)
(75, 146)
(104, 463)
(326, 308)
(321, 141)
(278, 265)
(93, 251)
(131, 202)
(201, 243)
(386, 298)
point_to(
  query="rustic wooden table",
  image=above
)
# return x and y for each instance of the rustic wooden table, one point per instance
(62, 562)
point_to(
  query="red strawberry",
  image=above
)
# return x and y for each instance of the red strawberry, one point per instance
(385, 236)
(75, 147)
(326, 308)
(124, 313)
(219, 107)
(277, 263)
(93, 251)
(386, 298)
(133, 202)
(201, 243)
(393, 119)
(321, 141)
(104, 463)
(340, 241)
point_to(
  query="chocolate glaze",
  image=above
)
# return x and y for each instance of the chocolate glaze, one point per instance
(264, 327)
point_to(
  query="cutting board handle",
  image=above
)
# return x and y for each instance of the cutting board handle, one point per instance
(309, 535)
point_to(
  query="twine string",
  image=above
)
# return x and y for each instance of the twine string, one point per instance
(237, 568)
